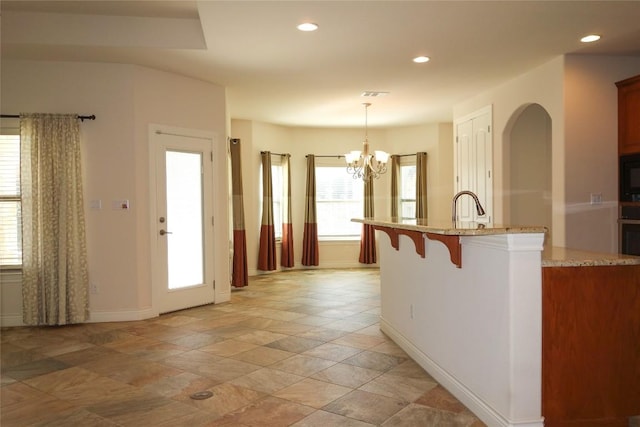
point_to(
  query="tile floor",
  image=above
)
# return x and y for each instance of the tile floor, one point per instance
(300, 348)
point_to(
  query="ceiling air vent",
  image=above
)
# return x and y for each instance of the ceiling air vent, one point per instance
(373, 94)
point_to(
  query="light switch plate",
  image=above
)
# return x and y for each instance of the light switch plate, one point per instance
(118, 205)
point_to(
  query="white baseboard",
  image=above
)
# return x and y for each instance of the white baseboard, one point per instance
(12, 320)
(121, 315)
(480, 408)
(9, 320)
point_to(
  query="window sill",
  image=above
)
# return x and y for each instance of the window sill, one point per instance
(339, 239)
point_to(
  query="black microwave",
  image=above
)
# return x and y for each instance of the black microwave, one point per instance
(630, 178)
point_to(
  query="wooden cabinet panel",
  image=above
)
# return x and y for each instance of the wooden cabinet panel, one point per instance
(590, 345)
(629, 115)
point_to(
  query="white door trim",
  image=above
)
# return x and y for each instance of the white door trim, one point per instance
(154, 131)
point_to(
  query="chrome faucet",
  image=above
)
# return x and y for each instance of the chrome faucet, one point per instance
(455, 203)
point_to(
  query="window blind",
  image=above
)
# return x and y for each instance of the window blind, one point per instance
(10, 203)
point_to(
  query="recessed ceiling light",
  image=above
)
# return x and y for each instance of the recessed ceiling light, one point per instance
(421, 59)
(590, 38)
(308, 26)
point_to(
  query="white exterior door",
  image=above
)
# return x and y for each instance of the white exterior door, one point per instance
(181, 219)
(473, 164)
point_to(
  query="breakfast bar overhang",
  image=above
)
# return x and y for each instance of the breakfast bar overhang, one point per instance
(465, 301)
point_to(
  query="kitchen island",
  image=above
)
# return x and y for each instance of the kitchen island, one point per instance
(510, 330)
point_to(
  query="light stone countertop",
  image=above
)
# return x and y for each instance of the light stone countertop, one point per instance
(564, 257)
(551, 256)
(448, 228)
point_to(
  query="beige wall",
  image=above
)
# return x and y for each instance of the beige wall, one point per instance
(436, 139)
(529, 199)
(542, 85)
(579, 94)
(591, 147)
(125, 99)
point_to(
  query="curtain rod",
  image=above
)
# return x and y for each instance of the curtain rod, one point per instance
(17, 116)
(275, 154)
(407, 155)
(339, 156)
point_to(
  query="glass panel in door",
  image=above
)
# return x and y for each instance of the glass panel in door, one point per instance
(185, 246)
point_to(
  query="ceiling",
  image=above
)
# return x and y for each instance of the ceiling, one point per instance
(277, 74)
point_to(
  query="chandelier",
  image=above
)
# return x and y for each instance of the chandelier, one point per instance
(363, 165)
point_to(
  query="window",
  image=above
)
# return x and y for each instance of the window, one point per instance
(277, 191)
(339, 198)
(10, 202)
(408, 189)
(278, 195)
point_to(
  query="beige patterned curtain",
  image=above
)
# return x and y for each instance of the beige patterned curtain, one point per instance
(286, 251)
(368, 235)
(55, 278)
(267, 251)
(310, 253)
(421, 185)
(395, 180)
(240, 275)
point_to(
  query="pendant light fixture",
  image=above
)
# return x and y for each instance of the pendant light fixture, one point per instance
(363, 165)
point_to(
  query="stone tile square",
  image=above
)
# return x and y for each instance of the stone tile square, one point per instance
(260, 337)
(35, 368)
(268, 412)
(229, 369)
(322, 334)
(312, 392)
(368, 407)
(62, 379)
(267, 380)
(196, 340)
(295, 344)
(346, 375)
(328, 419)
(418, 415)
(359, 340)
(40, 411)
(263, 356)
(140, 409)
(332, 351)
(407, 389)
(439, 398)
(372, 360)
(411, 369)
(228, 348)
(303, 365)
(226, 397)
(184, 383)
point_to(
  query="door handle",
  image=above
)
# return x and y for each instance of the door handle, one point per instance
(163, 232)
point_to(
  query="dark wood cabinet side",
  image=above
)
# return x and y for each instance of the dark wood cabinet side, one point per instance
(629, 115)
(590, 345)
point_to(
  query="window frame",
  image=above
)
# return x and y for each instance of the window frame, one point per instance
(278, 195)
(405, 162)
(339, 165)
(13, 134)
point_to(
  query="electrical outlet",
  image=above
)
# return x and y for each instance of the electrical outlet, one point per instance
(411, 311)
(94, 288)
(596, 198)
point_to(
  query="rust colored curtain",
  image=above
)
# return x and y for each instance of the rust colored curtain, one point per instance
(267, 252)
(395, 179)
(286, 254)
(239, 276)
(368, 236)
(310, 253)
(421, 185)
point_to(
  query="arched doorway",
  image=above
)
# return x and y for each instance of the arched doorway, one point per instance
(528, 143)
